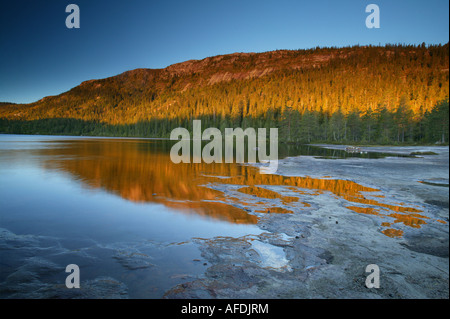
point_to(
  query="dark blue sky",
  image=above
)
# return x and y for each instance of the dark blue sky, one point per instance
(39, 56)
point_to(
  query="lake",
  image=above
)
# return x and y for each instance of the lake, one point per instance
(88, 200)
(130, 218)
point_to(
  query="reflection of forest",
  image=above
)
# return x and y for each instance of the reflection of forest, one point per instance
(142, 171)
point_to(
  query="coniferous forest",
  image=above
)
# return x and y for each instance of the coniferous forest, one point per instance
(394, 94)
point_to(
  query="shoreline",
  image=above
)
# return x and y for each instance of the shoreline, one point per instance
(321, 144)
(322, 252)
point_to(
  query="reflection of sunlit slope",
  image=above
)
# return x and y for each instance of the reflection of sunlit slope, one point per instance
(133, 173)
(266, 193)
(137, 172)
(411, 220)
(215, 210)
(348, 190)
(390, 232)
(142, 172)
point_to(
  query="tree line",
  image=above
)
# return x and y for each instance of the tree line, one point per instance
(379, 126)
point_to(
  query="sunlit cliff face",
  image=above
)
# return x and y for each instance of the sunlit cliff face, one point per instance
(141, 171)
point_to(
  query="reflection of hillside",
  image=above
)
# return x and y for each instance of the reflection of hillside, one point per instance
(216, 210)
(141, 171)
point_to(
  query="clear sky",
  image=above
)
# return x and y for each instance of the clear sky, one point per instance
(39, 56)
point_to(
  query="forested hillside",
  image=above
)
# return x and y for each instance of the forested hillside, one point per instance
(389, 94)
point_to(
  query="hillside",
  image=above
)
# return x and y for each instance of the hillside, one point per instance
(321, 85)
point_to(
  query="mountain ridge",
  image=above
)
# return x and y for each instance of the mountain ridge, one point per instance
(192, 66)
(261, 89)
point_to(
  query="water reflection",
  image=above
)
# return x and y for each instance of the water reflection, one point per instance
(141, 171)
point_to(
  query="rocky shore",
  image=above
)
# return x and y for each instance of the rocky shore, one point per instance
(322, 251)
(315, 227)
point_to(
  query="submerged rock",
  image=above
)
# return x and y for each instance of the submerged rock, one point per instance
(133, 259)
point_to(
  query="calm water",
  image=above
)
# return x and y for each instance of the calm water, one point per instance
(121, 210)
(99, 203)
